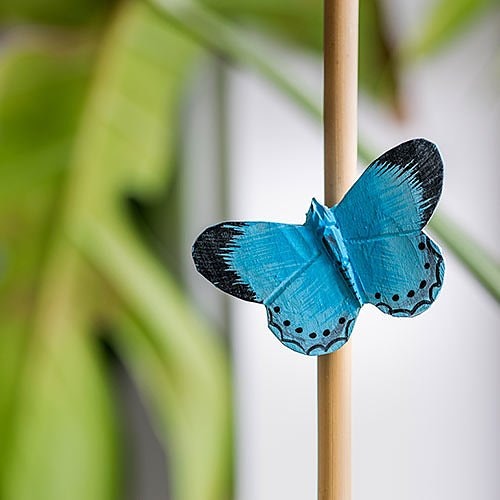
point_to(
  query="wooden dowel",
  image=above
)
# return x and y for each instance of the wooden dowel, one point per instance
(340, 139)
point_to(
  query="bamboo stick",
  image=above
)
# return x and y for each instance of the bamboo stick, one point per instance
(340, 142)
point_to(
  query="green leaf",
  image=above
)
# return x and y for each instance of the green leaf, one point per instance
(444, 21)
(301, 21)
(55, 12)
(477, 260)
(64, 441)
(37, 80)
(39, 425)
(129, 130)
(220, 35)
(11, 351)
(177, 361)
(125, 145)
(122, 143)
(378, 67)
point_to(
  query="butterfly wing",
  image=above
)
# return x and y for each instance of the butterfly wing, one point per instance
(401, 275)
(250, 260)
(310, 307)
(314, 312)
(396, 194)
(399, 268)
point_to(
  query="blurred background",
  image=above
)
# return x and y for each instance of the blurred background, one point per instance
(126, 127)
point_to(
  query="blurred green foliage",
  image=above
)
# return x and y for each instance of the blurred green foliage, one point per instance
(446, 20)
(85, 121)
(90, 99)
(53, 12)
(300, 21)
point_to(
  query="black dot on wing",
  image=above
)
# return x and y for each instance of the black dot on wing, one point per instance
(286, 322)
(421, 245)
(422, 284)
(377, 295)
(411, 293)
(299, 330)
(427, 265)
(326, 332)
(342, 320)
(277, 309)
(395, 298)
(312, 335)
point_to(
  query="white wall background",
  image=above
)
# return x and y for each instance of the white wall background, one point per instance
(426, 402)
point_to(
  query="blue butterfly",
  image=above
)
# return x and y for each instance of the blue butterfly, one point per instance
(369, 249)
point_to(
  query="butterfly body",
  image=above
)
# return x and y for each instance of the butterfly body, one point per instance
(328, 233)
(314, 278)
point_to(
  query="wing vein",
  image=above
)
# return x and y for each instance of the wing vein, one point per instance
(283, 285)
(383, 236)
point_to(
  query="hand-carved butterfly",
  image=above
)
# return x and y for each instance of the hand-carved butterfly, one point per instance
(370, 248)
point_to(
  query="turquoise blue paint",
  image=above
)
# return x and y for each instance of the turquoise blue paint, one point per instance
(368, 249)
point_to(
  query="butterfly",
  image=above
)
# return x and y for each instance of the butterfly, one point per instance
(369, 249)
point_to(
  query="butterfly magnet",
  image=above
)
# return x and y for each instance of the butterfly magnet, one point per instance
(369, 249)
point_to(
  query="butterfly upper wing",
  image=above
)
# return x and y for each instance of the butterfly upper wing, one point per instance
(310, 307)
(396, 194)
(399, 268)
(250, 260)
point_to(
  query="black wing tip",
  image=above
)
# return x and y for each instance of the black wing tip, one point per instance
(419, 158)
(407, 152)
(210, 252)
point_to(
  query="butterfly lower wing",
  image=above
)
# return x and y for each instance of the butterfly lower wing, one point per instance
(314, 312)
(401, 275)
(250, 260)
(395, 195)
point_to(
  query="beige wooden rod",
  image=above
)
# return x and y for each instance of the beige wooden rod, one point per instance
(340, 139)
